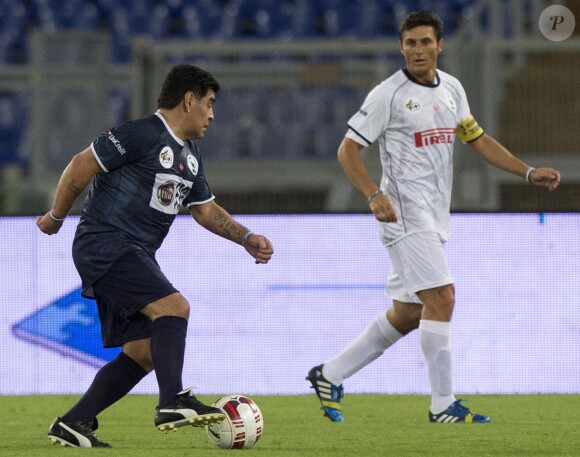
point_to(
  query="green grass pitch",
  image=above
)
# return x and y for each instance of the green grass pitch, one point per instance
(375, 425)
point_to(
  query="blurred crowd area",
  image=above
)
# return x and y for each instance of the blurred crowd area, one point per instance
(215, 19)
(289, 121)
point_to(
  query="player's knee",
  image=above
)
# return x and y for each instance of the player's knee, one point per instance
(145, 362)
(404, 318)
(140, 352)
(173, 305)
(176, 306)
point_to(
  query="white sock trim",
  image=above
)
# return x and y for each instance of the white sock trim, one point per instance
(387, 329)
(436, 327)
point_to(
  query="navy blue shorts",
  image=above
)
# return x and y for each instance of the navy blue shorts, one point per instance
(132, 283)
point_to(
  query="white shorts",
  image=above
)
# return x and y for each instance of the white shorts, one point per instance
(419, 263)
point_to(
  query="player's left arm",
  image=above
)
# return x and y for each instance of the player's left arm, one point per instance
(216, 219)
(497, 155)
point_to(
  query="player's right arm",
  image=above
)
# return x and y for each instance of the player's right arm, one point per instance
(73, 181)
(353, 165)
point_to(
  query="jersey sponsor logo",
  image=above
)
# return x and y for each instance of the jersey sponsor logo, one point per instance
(192, 164)
(168, 193)
(413, 105)
(434, 136)
(166, 157)
(165, 192)
(115, 142)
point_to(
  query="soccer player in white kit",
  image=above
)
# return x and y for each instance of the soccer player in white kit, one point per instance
(415, 116)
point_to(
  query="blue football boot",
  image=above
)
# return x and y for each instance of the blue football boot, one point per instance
(457, 413)
(328, 393)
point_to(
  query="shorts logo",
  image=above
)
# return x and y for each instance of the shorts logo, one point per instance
(363, 112)
(192, 164)
(413, 106)
(166, 157)
(434, 136)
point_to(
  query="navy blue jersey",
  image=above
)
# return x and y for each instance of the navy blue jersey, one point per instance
(149, 173)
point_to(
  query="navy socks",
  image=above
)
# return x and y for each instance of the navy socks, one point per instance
(167, 353)
(119, 376)
(111, 383)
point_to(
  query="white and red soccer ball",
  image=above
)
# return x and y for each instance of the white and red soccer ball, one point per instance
(242, 426)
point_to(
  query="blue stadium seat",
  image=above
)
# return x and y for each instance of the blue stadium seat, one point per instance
(119, 106)
(134, 18)
(13, 39)
(13, 123)
(372, 18)
(159, 22)
(300, 15)
(259, 18)
(206, 19)
(191, 22)
(74, 14)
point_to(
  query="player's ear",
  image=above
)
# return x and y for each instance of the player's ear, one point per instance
(188, 100)
(440, 46)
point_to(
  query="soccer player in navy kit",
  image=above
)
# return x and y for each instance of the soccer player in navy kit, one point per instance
(415, 116)
(142, 172)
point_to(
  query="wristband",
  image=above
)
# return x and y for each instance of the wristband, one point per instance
(245, 238)
(54, 218)
(374, 194)
(528, 174)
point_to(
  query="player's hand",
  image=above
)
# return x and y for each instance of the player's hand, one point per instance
(259, 247)
(546, 177)
(47, 225)
(382, 209)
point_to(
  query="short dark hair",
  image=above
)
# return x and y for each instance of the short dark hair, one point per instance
(182, 79)
(422, 18)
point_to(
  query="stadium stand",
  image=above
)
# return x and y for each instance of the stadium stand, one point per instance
(218, 19)
(288, 122)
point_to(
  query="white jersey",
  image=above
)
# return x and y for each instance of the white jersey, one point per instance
(415, 125)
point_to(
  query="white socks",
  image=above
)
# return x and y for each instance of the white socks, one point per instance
(380, 335)
(369, 345)
(434, 339)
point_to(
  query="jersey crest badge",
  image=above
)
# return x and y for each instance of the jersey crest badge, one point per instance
(413, 106)
(166, 157)
(192, 164)
(451, 103)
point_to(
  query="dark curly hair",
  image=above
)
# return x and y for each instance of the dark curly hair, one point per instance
(182, 79)
(422, 18)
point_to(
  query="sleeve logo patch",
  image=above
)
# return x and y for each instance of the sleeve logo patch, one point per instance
(115, 142)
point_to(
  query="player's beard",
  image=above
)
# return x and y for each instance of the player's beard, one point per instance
(427, 74)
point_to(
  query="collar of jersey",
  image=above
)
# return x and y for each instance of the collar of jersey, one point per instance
(179, 140)
(412, 78)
